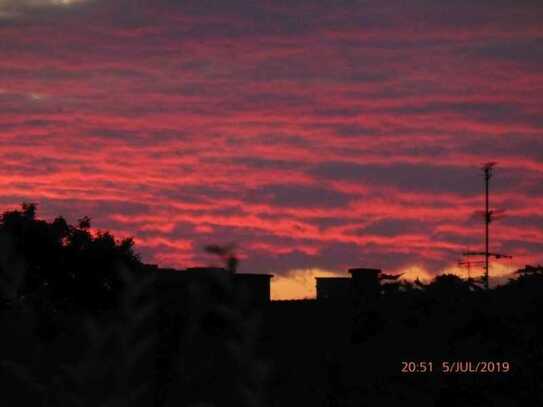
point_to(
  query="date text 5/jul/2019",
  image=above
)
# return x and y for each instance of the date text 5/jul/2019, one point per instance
(456, 366)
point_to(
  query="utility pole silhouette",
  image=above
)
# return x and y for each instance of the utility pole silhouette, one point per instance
(489, 216)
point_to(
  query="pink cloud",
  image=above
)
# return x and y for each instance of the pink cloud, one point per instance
(185, 127)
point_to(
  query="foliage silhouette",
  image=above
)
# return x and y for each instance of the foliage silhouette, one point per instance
(66, 266)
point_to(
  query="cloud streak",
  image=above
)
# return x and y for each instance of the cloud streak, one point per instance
(316, 136)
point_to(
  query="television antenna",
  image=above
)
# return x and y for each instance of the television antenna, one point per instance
(468, 264)
(489, 216)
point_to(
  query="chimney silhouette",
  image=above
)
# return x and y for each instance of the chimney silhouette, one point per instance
(365, 283)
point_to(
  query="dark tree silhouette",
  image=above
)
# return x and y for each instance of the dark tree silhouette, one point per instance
(67, 266)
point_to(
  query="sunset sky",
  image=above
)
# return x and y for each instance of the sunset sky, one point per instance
(314, 135)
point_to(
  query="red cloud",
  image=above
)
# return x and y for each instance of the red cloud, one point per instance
(187, 127)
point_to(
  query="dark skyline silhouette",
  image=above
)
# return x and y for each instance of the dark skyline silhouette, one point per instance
(85, 322)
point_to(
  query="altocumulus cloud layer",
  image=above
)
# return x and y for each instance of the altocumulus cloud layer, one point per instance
(313, 134)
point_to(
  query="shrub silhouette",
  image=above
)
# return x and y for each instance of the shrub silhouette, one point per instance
(77, 312)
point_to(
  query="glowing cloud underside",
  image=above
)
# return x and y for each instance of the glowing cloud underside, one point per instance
(299, 284)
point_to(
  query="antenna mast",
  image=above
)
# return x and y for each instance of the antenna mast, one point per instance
(468, 265)
(487, 168)
(488, 216)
